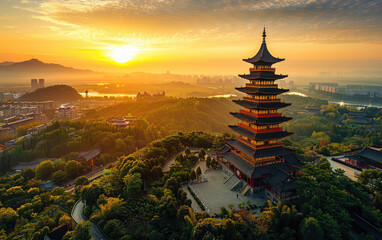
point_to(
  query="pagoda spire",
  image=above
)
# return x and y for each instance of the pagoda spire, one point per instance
(264, 35)
(263, 56)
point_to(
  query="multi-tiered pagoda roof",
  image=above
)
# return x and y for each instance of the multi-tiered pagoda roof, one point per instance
(256, 155)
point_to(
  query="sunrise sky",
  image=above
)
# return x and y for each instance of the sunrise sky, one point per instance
(189, 36)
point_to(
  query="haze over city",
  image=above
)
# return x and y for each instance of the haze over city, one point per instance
(194, 37)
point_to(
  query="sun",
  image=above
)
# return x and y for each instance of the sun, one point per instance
(123, 54)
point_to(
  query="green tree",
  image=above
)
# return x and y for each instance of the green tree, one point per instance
(133, 184)
(202, 153)
(372, 178)
(154, 235)
(91, 193)
(28, 173)
(311, 230)
(8, 218)
(81, 232)
(208, 162)
(193, 175)
(113, 228)
(73, 168)
(198, 172)
(44, 170)
(81, 181)
(187, 151)
(59, 177)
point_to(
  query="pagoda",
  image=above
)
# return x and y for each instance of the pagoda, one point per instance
(256, 156)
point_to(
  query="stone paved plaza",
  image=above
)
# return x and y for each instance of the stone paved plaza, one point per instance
(216, 192)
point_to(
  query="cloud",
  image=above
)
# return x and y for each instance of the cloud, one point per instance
(152, 22)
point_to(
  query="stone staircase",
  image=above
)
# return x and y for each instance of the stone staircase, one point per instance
(238, 186)
(245, 189)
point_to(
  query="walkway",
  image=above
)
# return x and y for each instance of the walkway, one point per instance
(93, 174)
(78, 216)
(167, 164)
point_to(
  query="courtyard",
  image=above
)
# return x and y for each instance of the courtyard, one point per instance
(216, 192)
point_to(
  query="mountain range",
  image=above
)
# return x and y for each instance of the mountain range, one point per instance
(34, 68)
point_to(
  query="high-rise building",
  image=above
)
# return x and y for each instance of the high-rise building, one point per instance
(41, 83)
(256, 155)
(34, 84)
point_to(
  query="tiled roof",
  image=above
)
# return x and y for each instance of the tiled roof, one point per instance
(264, 120)
(260, 136)
(261, 105)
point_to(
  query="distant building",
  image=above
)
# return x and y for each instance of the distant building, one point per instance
(36, 129)
(147, 96)
(11, 124)
(363, 158)
(325, 87)
(41, 83)
(34, 84)
(359, 117)
(256, 156)
(89, 156)
(121, 122)
(66, 111)
(351, 90)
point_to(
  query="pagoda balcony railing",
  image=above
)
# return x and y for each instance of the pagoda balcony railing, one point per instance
(262, 69)
(277, 144)
(260, 115)
(278, 129)
(262, 100)
(262, 86)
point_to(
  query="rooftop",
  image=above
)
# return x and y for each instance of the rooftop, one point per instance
(89, 154)
(260, 136)
(253, 90)
(262, 120)
(263, 55)
(261, 105)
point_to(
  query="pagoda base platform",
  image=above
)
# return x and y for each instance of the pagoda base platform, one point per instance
(276, 180)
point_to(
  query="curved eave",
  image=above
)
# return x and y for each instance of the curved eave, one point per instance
(260, 61)
(262, 121)
(263, 56)
(271, 91)
(260, 136)
(262, 77)
(253, 105)
(267, 152)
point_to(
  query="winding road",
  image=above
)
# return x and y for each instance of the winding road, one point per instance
(78, 216)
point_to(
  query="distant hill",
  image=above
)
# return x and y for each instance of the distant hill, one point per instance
(34, 68)
(59, 93)
(3, 64)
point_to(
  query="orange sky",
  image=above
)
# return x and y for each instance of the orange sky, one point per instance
(194, 37)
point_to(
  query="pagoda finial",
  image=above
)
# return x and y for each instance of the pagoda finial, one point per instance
(264, 35)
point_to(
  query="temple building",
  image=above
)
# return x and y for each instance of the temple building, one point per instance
(256, 156)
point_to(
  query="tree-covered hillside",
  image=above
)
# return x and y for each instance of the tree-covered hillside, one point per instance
(59, 93)
(176, 114)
